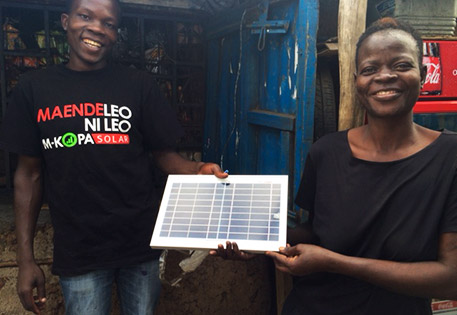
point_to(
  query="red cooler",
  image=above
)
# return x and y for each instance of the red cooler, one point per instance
(439, 94)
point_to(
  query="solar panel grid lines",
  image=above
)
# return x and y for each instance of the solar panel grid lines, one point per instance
(202, 211)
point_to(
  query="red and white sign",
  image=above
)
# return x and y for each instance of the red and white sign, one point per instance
(432, 85)
(439, 93)
(111, 138)
(446, 307)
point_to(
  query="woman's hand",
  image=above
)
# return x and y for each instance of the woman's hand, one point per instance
(300, 260)
(231, 252)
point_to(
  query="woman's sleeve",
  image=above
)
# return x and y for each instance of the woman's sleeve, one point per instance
(449, 219)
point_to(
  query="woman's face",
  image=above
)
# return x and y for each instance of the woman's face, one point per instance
(388, 78)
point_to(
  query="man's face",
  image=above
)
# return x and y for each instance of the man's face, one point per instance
(91, 27)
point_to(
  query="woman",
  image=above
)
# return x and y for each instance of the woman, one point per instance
(382, 197)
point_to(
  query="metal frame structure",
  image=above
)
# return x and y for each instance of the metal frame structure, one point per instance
(142, 14)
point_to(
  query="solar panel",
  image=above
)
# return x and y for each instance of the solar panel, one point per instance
(202, 211)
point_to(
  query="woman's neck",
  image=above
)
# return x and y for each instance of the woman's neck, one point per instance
(382, 141)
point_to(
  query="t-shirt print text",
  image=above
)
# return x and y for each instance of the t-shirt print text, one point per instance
(103, 124)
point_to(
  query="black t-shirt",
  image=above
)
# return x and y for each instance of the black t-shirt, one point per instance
(382, 210)
(94, 131)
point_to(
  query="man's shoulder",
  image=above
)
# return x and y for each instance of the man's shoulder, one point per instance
(40, 74)
(133, 77)
(128, 71)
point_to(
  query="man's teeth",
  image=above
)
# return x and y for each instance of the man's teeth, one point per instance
(92, 43)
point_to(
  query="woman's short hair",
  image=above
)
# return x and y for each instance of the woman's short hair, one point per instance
(390, 23)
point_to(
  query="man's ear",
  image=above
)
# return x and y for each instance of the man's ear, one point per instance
(64, 21)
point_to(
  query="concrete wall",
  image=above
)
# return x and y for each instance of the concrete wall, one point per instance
(429, 18)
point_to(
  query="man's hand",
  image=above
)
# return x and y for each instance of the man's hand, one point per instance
(231, 252)
(170, 162)
(31, 276)
(211, 168)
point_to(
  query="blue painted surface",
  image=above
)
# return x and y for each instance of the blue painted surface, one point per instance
(437, 121)
(273, 120)
(265, 124)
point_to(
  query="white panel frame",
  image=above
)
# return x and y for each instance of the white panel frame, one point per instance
(261, 246)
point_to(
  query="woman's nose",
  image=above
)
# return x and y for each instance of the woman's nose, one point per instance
(386, 75)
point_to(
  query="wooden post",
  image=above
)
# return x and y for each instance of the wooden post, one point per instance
(351, 24)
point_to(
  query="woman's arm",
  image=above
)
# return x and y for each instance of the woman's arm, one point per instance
(431, 279)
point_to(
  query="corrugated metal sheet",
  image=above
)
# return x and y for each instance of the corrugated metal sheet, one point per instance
(259, 109)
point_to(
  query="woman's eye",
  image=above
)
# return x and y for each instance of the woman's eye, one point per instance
(368, 70)
(403, 66)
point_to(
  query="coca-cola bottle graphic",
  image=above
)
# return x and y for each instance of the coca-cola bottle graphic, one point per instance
(431, 59)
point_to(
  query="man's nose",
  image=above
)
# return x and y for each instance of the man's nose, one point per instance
(96, 27)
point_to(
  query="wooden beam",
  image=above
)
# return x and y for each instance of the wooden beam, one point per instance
(351, 24)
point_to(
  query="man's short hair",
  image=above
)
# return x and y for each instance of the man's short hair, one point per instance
(69, 5)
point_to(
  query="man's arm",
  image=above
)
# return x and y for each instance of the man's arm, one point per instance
(430, 279)
(27, 204)
(171, 162)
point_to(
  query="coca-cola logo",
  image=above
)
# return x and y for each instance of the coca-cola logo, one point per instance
(433, 73)
(445, 305)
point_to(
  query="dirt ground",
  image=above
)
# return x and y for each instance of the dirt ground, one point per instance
(215, 287)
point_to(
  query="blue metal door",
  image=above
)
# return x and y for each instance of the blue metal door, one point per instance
(260, 89)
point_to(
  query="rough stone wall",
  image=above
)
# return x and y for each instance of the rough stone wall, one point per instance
(215, 287)
(220, 287)
(9, 302)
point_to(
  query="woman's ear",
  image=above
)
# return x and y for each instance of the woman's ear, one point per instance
(423, 75)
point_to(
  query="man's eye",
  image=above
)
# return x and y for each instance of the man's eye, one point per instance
(84, 17)
(110, 26)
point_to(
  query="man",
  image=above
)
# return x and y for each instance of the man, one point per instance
(85, 130)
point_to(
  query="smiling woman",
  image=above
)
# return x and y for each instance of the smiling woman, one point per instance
(368, 190)
(388, 82)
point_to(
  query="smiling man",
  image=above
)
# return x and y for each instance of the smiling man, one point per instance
(91, 32)
(83, 133)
